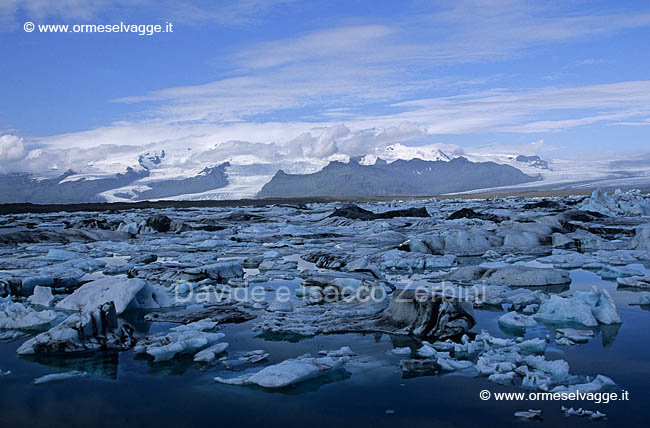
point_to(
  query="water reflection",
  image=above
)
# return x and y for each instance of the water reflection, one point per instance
(103, 365)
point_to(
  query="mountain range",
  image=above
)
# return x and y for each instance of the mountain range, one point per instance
(67, 188)
(393, 170)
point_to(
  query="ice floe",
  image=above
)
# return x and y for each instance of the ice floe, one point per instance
(288, 372)
(587, 308)
(184, 339)
(16, 316)
(517, 321)
(122, 291)
(42, 296)
(95, 330)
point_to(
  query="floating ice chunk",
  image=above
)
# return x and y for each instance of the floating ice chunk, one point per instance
(61, 255)
(563, 310)
(288, 372)
(522, 276)
(533, 346)
(344, 351)
(559, 240)
(83, 332)
(122, 291)
(417, 246)
(277, 265)
(222, 270)
(598, 384)
(42, 296)
(500, 294)
(272, 254)
(426, 351)
(556, 369)
(536, 381)
(210, 354)
(531, 309)
(529, 414)
(605, 310)
(502, 378)
(517, 321)
(630, 203)
(184, 339)
(280, 305)
(254, 356)
(596, 416)
(16, 316)
(584, 307)
(400, 260)
(57, 377)
(573, 336)
(593, 415)
(567, 259)
(401, 351)
(450, 364)
(563, 341)
(635, 281)
(475, 241)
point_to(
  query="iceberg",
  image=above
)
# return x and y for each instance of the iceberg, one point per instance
(16, 316)
(125, 293)
(288, 372)
(517, 321)
(95, 330)
(184, 339)
(42, 296)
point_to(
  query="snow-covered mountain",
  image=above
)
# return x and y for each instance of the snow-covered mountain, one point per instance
(213, 172)
(398, 151)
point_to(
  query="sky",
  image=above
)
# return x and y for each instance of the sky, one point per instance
(291, 81)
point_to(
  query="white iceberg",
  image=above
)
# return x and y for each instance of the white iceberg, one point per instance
(184, 339)
(210, 354)
(16, 316)
(517, 321)
(288, 372)
(42, 296)
(598, 384)
(587, 308)
(122, 291)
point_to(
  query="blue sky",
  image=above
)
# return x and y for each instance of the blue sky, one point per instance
(573, 74)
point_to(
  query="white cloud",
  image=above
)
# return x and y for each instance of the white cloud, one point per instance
(12, 148)
(357, 87)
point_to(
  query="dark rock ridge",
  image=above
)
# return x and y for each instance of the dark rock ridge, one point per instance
(355, 212)
(470, 213)
(400, 178)
(223, 314)
(535, 161)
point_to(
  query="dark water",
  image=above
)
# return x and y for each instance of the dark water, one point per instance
(130, 391)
